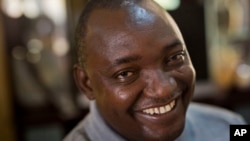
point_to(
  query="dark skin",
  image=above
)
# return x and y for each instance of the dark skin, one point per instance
(136, 63)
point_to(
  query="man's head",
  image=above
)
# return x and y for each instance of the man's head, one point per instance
(134, 63)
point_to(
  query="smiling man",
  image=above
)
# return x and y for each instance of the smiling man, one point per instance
(136, 70)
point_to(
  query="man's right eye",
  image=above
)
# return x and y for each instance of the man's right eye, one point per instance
(126, 76)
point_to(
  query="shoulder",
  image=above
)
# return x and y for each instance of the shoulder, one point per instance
(78, 133)
(215, 114)
(206, 122)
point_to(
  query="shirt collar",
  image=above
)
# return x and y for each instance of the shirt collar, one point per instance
(97, 129)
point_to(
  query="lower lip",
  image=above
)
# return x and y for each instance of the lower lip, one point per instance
(166, 117)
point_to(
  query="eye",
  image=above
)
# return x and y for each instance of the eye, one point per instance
(124, 74)
(176, 59)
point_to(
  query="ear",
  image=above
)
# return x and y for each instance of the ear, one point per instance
(83, 82)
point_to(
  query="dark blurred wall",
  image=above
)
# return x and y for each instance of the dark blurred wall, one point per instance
(190, 19)
(6, 115)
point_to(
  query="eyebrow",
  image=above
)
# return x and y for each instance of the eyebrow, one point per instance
(126, 59)
(172, 45)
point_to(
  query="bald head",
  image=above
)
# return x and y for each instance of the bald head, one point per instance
(140, 13)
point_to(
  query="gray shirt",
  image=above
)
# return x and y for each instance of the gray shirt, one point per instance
(203, 123)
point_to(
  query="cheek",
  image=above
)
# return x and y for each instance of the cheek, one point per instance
(116, 96)
(186, 77)
(187, 74)
(126, 95)
(191, 74)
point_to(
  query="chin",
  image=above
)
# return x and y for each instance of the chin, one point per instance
(175, 132)
(170, 134)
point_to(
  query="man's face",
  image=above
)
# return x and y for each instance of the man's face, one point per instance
(139, 71)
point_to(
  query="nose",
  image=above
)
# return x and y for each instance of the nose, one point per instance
(159, 84)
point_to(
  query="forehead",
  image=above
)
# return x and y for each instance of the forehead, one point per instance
(141, 18)
(123, 28)
(136, 16)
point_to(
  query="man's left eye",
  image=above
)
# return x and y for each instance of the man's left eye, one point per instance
(176, 59)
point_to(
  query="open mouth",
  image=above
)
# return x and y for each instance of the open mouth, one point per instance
(160, 110)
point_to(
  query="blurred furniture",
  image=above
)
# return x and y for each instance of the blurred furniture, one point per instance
(7, 128)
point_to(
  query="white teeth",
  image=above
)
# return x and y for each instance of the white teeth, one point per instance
(151, 111)
(156, 110)
(160, 110)
(168, 107)
(172, 104)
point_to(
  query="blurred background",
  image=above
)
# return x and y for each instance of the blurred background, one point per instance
(38, 98)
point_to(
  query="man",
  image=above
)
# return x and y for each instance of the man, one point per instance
(135, 68)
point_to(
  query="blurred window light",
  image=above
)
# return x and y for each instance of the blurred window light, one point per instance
(60, 46)
(243, 71)
(31, 9)
(44, 27)
(12, 8)
(35, 46)
(169, 4)
(55, 10)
